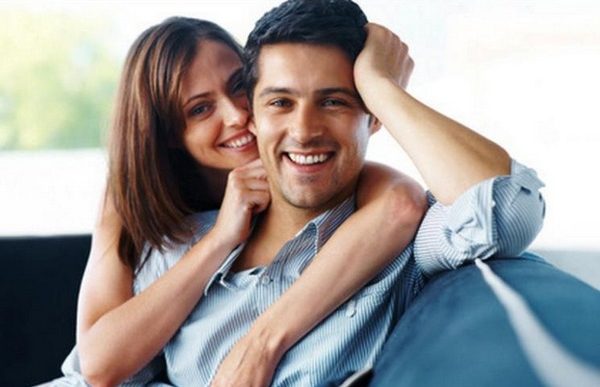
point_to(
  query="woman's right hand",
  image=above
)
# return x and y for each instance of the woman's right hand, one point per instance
(247, 193)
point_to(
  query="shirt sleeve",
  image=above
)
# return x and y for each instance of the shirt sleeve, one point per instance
(497, 217)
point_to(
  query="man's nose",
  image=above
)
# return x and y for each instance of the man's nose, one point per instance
(306, 124)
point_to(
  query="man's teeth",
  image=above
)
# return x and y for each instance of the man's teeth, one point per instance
(240, 142)
(308, 160)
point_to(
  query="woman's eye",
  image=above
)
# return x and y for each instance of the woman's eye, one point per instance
(236, 83)
(199, 109)
(237, 87)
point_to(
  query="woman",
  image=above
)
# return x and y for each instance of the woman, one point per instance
(180, 127)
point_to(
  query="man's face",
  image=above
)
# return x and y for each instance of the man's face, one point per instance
(311, 128)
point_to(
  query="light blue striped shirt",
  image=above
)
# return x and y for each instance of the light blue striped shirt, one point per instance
(499, 216)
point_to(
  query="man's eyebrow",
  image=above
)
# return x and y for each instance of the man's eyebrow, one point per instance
(276, 90)
(343, 90)
(322, 92)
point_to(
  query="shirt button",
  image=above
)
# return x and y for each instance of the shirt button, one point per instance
(351, 309)
(265, 279)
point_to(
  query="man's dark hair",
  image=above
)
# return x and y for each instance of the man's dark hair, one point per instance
(338, 23)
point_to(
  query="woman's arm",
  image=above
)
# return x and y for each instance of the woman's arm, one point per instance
(118, 333)
(390, 207)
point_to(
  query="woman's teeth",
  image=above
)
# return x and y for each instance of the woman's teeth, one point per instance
(308, 159)
(240, 142)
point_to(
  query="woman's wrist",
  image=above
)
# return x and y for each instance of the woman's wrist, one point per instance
(215, 246)
(272, 335)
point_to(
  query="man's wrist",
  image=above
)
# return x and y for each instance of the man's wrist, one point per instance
(379, 92)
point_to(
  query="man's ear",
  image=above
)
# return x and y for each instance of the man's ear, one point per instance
(374, 124)
(252, 126)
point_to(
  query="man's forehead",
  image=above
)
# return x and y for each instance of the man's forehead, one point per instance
(288, 64)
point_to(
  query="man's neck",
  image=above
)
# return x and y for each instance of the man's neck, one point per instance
(280, 223)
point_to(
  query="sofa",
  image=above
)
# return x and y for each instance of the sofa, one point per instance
(39, 284)
(455, 333)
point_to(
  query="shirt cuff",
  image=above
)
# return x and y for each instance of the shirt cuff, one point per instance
(469, 228)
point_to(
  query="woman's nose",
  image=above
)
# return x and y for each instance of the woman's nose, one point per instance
(236, 112)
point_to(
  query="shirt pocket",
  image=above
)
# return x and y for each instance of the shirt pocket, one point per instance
(368, 301)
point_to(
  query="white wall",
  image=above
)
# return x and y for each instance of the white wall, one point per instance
(524, 73)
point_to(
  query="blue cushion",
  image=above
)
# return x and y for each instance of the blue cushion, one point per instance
(456, 333)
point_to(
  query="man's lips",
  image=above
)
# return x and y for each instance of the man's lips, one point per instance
(307, 159)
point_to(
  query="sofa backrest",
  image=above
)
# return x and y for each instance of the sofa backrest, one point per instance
(39, 283)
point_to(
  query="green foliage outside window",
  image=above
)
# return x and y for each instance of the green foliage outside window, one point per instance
(57, 81)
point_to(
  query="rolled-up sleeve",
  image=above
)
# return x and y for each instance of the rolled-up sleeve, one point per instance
(497, 217)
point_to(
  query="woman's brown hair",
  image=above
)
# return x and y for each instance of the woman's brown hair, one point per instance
(152, 180)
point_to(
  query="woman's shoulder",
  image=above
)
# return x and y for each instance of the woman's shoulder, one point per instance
(155, 262)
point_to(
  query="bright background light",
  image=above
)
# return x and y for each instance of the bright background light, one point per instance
(523, 73)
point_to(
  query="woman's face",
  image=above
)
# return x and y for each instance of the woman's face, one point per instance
(216, 109)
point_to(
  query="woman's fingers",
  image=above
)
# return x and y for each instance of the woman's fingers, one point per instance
(256, 184)
(258, 200)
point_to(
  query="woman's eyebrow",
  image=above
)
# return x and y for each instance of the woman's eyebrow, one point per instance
(196, 96)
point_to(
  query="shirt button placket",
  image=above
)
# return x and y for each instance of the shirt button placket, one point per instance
(265, 279)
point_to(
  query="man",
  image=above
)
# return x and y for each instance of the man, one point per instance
(306, 82)
(316, 101)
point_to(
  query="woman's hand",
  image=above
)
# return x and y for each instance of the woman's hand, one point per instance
(247, 193)
(384, 56)
(250, 363)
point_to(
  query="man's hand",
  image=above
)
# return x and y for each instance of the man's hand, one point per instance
(384, 57)
(251, 363)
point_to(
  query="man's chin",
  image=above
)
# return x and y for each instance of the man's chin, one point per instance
(305, 200)
(312, 201)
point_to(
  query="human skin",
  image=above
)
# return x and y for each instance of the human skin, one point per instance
(430, 139)
(118, 333)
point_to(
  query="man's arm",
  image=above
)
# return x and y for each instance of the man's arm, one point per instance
(483, 203)
(499, 216)
(450, 157)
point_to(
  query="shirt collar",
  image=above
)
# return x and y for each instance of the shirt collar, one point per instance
(324, 226)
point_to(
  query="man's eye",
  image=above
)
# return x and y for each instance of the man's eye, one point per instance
(280, 103)
(334, 102)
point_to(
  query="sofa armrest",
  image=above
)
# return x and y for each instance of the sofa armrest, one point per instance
(457, 333)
